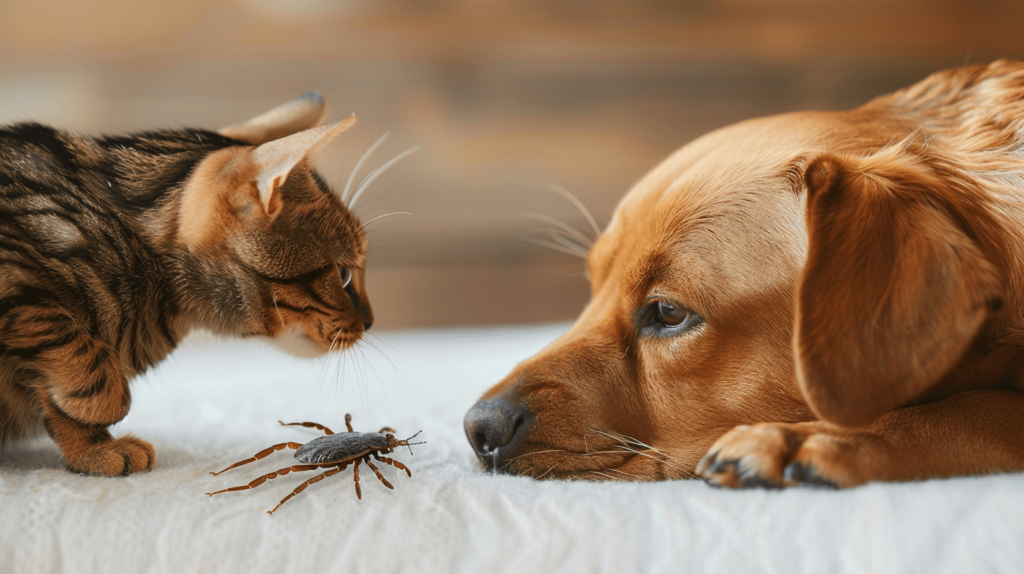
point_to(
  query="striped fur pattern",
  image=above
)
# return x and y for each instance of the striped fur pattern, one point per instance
(112, 249)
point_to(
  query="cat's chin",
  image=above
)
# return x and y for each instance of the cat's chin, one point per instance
(295, 341)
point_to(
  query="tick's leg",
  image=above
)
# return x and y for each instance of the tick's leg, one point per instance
(355, 477)
(309, 425)
(393, 462)
(261, 454)
(379, 475)
(266, 477)
(303, 486)
(348, 422)
(387, 430)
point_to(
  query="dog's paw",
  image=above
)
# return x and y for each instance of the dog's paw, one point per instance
(118, 457)
(772, 455)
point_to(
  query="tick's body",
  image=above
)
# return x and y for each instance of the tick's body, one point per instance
(335, 452)
(342, 447)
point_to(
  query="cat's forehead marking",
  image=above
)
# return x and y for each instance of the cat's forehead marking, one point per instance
(219, 210)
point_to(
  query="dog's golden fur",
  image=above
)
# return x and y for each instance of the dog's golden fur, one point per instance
(854, 282)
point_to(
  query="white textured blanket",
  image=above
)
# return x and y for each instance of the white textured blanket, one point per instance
(215, 402)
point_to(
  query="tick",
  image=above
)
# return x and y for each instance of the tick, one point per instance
(334, 451)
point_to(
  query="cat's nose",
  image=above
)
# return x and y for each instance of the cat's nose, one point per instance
(367, 317)
(362, 307)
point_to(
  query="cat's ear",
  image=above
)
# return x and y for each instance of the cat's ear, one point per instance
(274, 160)
(291, 117)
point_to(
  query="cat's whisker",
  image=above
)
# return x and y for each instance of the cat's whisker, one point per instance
(383, 216)
(383, 342)
(386, 357)
(359, 164)
(321, 377)
(366, 203)
(379, 254)
(340, 377)
(377, 172)
(380, 383)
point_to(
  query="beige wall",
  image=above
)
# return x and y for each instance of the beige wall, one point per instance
(503, 96)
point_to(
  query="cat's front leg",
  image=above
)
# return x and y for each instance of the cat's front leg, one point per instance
(82, 388)
(90, 448)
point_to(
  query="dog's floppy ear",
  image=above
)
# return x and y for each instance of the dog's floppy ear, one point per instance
(893, 291)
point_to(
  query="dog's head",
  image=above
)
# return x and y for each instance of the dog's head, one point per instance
(782, 269)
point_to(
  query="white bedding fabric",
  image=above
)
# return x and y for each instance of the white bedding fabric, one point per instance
(215, 402)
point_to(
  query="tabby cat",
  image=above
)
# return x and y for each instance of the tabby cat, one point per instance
(113, 248)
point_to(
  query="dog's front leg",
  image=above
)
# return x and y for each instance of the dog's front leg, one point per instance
(979, 432)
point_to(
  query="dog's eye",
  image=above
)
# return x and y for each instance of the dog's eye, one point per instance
(346, 276)
(670, 315)
(665, 317)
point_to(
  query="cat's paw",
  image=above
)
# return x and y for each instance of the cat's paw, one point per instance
(118, 457)
(771, 455)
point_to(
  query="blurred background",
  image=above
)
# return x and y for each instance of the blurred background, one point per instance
(503, 97)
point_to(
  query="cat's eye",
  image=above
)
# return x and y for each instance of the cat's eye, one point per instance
(346, 276)
(663, 317)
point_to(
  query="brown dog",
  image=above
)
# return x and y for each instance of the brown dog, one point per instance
(818, 298)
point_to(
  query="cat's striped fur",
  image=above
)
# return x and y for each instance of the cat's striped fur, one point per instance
(112, 249)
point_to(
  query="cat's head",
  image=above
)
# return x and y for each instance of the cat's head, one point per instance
(276, 251)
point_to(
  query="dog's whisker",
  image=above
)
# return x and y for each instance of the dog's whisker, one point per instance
(579, 205)
(613, 437)
(552, 245)
(537, 452)
(666, 461)
(511, 460)
(563, 238)
(548, 470)
(597, 452)
(608, 476)
(359, 164)
(568, 228)
(559, 237)
(633, 476)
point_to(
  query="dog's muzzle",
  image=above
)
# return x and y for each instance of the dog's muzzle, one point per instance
(496, 428)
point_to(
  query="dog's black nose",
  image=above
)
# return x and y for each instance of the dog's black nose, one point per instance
(495, 427)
